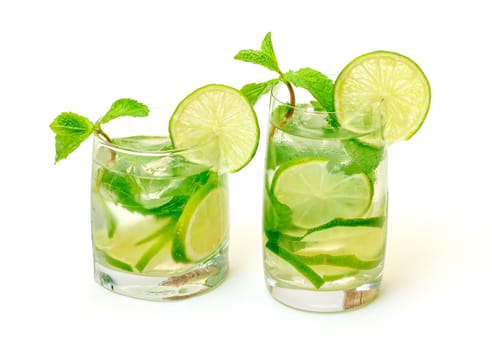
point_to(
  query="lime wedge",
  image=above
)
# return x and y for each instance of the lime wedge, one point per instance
(220, 118)
(317, 195)
(203, 225)
(382, 88)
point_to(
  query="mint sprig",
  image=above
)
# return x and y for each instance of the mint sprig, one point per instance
(124, 107)
(71, 129)
(265, 57)
(254, 91)
(318, 84)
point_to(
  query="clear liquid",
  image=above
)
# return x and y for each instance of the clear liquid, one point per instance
(137, 204)
(344, 256)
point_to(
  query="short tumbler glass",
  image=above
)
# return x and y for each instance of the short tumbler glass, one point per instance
(160, 215)
(325, 207)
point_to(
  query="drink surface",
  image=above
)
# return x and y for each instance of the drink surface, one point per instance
(325, 204)
(144, 207)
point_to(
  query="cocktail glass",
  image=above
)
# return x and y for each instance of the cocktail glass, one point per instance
(325, 205)
(159, 214)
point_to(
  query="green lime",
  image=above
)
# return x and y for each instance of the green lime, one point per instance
(364, 242)
(316, 195)
(382, 88)
(220, 118)
(131, 242)
(203, 225)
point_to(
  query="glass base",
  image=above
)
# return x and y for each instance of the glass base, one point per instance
(324, 301)
(198, 280)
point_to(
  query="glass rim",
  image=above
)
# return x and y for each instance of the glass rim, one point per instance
(133, 151)
(304, 105)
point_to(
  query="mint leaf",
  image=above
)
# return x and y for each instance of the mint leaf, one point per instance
(318, 84)
(70, 131)
(303, 148)
(276, 216)
(69, 123)
(257, 57)
(134, 193)
(267, 48)
(125, 107)
(365, 158)
(264, 57)
(65, 145)
(124, 190)
(254, 91)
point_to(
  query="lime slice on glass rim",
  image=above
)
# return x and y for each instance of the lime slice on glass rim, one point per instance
(221, 118)
(382, 89)
(316, 195)
(203, 225)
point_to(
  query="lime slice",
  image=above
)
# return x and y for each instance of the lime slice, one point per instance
(385, 89)
(220, 118)
(364, 242)
(137, 246)
(317, 195)
(203, 225)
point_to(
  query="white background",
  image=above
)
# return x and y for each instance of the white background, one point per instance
(81, 56)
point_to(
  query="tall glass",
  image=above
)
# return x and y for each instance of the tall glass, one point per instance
(160, 215)
(325, 206)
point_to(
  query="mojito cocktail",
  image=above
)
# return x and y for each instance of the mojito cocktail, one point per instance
(159, 221)
(325, 207)
(325, 196)
(160, 213)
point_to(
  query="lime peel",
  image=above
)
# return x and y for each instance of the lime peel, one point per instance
(382, 89)
(317, 195)
(203, 226)
(220, 118)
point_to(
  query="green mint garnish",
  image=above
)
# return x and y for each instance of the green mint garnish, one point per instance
(72, 129)
(254, 91)
(265, 57)
(124, 107)
(276, 216)
(318, 84)
(365, 158)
